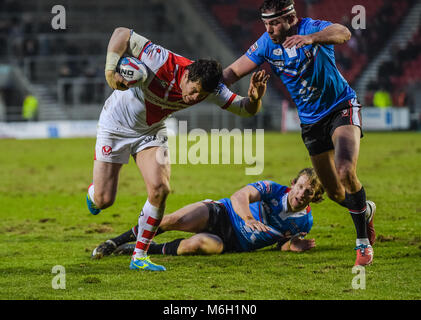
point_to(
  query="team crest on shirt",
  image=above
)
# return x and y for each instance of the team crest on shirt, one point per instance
(277, 52)
(106, 150)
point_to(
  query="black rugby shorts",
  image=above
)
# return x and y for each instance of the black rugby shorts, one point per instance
(317, 137)
(220, 224)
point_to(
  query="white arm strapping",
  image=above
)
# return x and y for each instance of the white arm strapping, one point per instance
(136, 44)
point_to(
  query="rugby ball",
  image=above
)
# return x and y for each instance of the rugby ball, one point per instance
(132, 70)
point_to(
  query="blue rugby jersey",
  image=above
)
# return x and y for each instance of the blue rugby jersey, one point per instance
(272, 210)
(309, 73)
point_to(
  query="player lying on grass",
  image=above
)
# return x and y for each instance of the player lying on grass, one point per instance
(258, 215)
(132, 123)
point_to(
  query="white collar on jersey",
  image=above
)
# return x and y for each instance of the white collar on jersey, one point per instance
(284, 214)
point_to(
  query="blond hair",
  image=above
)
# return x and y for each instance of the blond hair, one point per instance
(314, 180)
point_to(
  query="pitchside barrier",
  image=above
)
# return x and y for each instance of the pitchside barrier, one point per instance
(374, 119)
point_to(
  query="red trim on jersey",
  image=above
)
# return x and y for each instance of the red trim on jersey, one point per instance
(308, 209)
(144, 47)
(289, 75)
(229, 101)
(350, 115)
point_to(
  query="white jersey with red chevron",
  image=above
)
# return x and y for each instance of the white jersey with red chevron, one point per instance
(148, 105)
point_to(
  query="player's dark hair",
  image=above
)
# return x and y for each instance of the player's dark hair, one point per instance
(208, 72)
(319, 190)
(276, 5)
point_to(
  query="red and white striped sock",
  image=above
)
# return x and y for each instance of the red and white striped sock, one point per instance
(149, 219)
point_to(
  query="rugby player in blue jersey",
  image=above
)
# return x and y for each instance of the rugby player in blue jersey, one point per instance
(258, 215)
(301, 53)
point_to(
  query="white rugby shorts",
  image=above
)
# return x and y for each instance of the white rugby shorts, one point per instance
(117, 148)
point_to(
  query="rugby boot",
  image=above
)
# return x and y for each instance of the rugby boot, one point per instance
(104, 249)
(145, 263)
(364, 255)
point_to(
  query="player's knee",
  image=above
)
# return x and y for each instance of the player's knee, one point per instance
(205, 245)
(172, 222)
(159, 192)
(346, 173)
(336, 196)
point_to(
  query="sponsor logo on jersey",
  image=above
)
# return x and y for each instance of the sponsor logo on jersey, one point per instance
(278, 63)
(291, 52)
(345, 112)
(106, 150)
(148, 47)
(277, 52)
(253, 48)
(161, 139)
(221, 86)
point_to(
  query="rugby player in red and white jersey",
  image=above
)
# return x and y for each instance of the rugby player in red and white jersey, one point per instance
(132, 123)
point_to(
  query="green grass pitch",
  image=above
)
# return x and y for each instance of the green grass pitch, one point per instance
(45, 222)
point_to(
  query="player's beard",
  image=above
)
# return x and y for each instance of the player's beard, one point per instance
(283, 36)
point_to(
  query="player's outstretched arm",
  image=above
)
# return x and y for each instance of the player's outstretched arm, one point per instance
(257, 89)
(241, 200)
(333, 34)
(250, 105)
(238, 69)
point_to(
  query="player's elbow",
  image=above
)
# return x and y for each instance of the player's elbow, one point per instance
(121, 32)
(237, 197)
(347, 34)
(344, 32)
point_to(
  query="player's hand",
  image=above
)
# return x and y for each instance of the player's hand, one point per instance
(253, 224)
(116, 81)
(258, 84)
(298, 244)
(298, 41)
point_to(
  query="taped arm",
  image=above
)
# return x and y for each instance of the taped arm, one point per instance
(136, 44)
(123, 40)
